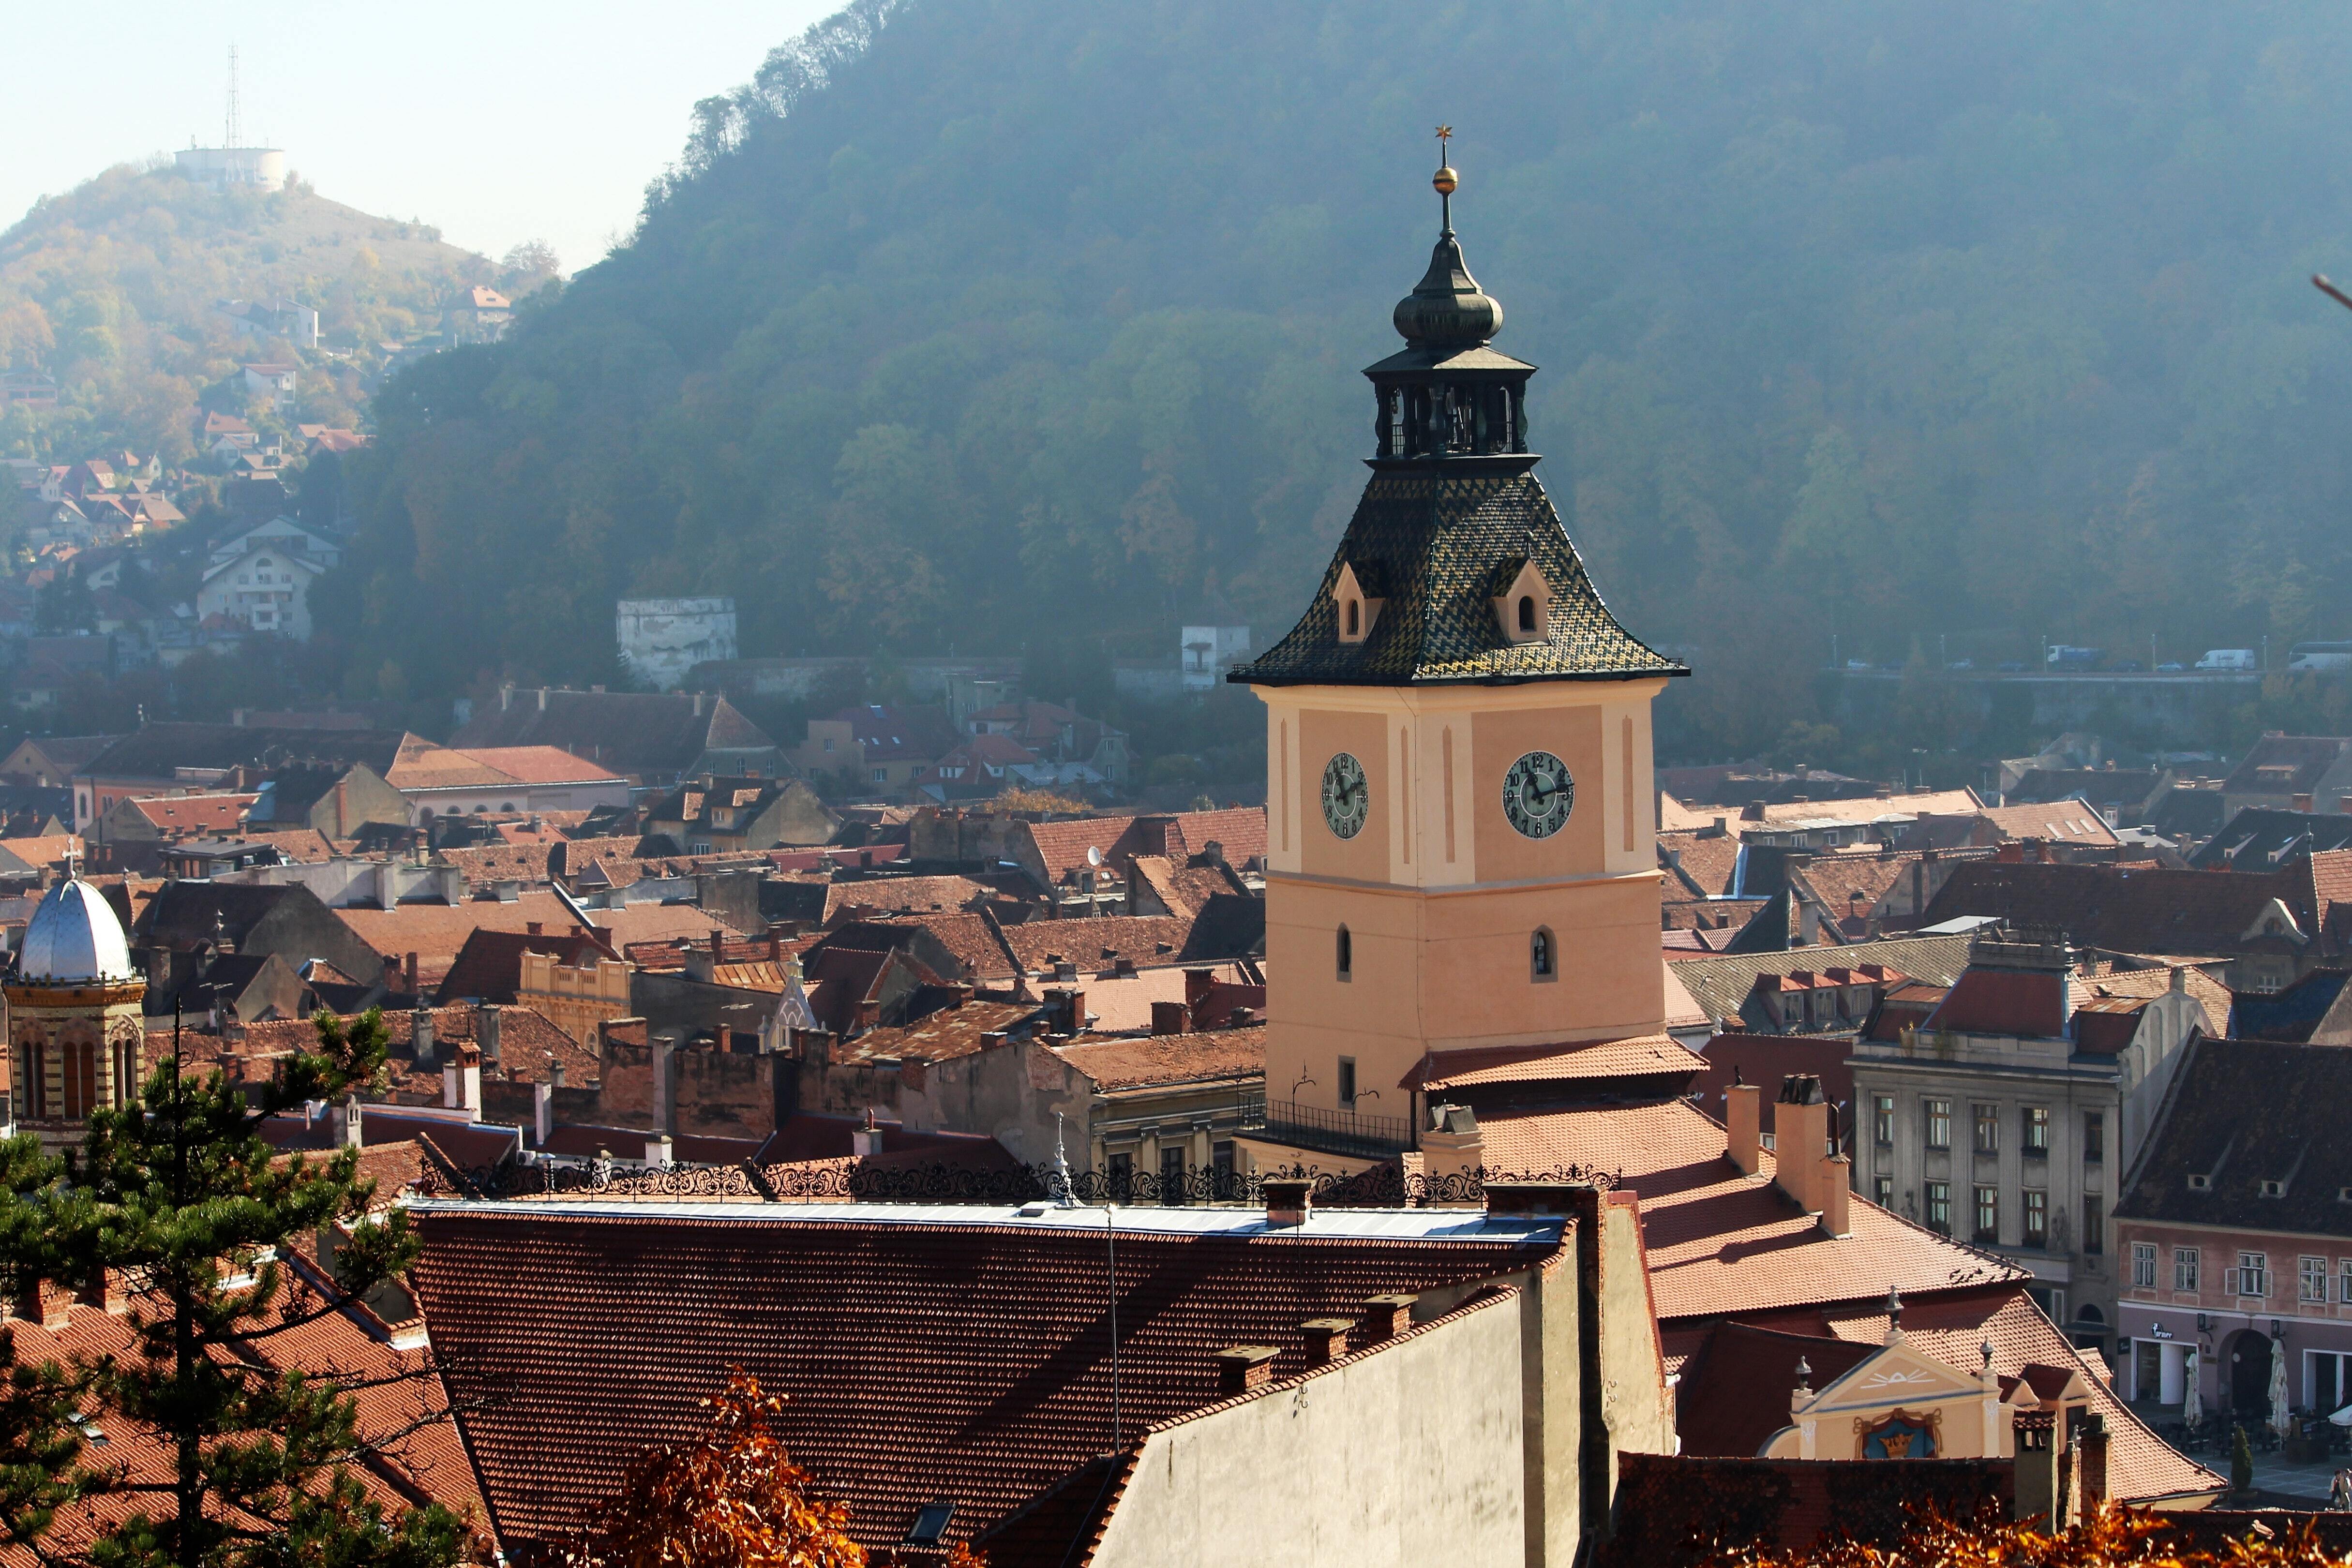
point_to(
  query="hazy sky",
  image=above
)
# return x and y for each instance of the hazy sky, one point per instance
(527, 120)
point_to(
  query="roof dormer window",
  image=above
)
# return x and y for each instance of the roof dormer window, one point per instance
(2274, 1189)
(1522, 600)
(1359, 594)
(2200, 1182)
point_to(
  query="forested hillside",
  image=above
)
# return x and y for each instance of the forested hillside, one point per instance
(109, 289)
(992, 323)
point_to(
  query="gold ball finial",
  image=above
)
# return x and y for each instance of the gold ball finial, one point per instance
(1443, 181)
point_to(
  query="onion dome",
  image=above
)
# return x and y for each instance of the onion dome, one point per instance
(74, 939)
(1447, 309)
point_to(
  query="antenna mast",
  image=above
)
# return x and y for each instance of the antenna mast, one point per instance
(234, 130)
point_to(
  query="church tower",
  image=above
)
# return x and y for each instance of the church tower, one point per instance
(1460, 827)
(76, 1033)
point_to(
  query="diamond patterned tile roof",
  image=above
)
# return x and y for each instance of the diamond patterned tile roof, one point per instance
(1436, 540)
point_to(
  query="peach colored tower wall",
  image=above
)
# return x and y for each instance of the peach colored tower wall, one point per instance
(1440, 896)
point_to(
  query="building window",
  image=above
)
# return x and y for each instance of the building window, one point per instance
(2184, 1268)
(1347, 949)
(1221, 1168)
(2142, 1265)
(1882, 1193)
(2251, 1277)
(2095, 1137)
(1882, 1120)
(2037, 1129)
(2343, 1283)
(1355, 618)
(881, 775)
(2037, 1217)
(1347, 1083)
(1171, 1173)
(2095, 1226)
(1540, 963)
(828, 743)
(1988, 1214)
(2312, 1279)
(1122, 1176)
(1988, 1121)
(1526, 612)
(1939, 1124)
(1940, 1206)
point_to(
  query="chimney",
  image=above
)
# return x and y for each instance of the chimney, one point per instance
(725, 1042)
(1171, 1018)
(555, 1073)
(2037, 1468)
(420, 1027)
(486, 1030)
(542, 699)
(104, 1289)
(390, 973)
(1288, 1199)
(530, 928)
(866, 1141)
(542, 1110)
(1809, 923)
(657, 1152)
(1385, 1317)
(1327, 1339)
(666, 1084)
(1837, 1194)
(410, 971)
(461, 1080)
(1245, 1368)
(348, 1132)
(2303, 803)
(43, 1302)
(2091, 1438)
(1800, 1122)
(1452, 1153)
(1754, 813)
(1885, 792)
(1743, 1120)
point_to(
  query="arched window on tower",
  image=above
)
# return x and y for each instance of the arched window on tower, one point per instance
(1526, 612)
(1543, 956)
(1346, 955)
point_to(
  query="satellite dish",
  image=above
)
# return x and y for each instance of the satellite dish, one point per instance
(1094, 856)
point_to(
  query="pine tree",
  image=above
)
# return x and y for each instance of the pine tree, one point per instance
(181, 1194)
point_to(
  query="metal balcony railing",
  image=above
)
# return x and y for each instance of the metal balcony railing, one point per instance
(1337, 1132)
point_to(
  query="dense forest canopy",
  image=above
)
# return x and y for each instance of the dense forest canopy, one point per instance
(109, 289)
(1940, 329)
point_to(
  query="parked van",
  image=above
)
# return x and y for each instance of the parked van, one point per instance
(2227, 659)
(2062, 657)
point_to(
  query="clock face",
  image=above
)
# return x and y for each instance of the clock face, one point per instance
(1347, 796)
(1538, 794)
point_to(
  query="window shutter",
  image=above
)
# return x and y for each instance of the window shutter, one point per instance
(2229, 1282)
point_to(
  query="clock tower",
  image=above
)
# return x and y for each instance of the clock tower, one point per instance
(1461, 852)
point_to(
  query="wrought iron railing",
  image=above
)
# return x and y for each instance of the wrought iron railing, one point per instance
(1336, 1131)
(1386, 1185)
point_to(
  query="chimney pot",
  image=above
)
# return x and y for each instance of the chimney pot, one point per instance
(1743, 1119)
(542, 1111)
(1246, 1367)
(420, 1027)
(486, 1030)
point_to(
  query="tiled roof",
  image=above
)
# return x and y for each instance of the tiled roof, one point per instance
(2284, 765)
(1239, 831)
(941, 1037)
(2106, 982)
(1437, 542)
(2240, 1113)
(489, 965)
(1734, 1392)
(903, 896)
(1165, 1058)
(1703, 861)
(156, 750)
(2287, 1015)
(2207, 913)
(1097, 943)
(2022, 1002)
(973, 939)
(2065, 822)
(979, 1349)
(1721, 985)
(2263, 838)
(1123, 1003)
(1230, 926)
(434, 932)
(296, 846)
(194, 813)
(1722, 1243)
(1637, 1056)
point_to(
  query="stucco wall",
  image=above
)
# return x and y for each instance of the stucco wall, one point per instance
(1407, 1455)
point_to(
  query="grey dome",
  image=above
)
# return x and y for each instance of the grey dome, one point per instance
(74, 936)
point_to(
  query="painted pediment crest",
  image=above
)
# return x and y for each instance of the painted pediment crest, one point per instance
(1896, 1374)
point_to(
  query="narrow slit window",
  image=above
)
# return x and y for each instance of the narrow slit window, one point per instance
(1347, 947)
(1543, 959)
(1355, 618)
(1526, 612)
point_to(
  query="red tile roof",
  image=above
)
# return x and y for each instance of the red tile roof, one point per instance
(1165, 1058)
(1635, 1057)
(967, 1361)
(1764, 1060)
(2006, 1002)
(1096, 945)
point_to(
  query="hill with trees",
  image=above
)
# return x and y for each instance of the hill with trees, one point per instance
(993, 324)
(109, 289)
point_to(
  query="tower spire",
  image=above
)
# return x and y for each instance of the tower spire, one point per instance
(1444, 181)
